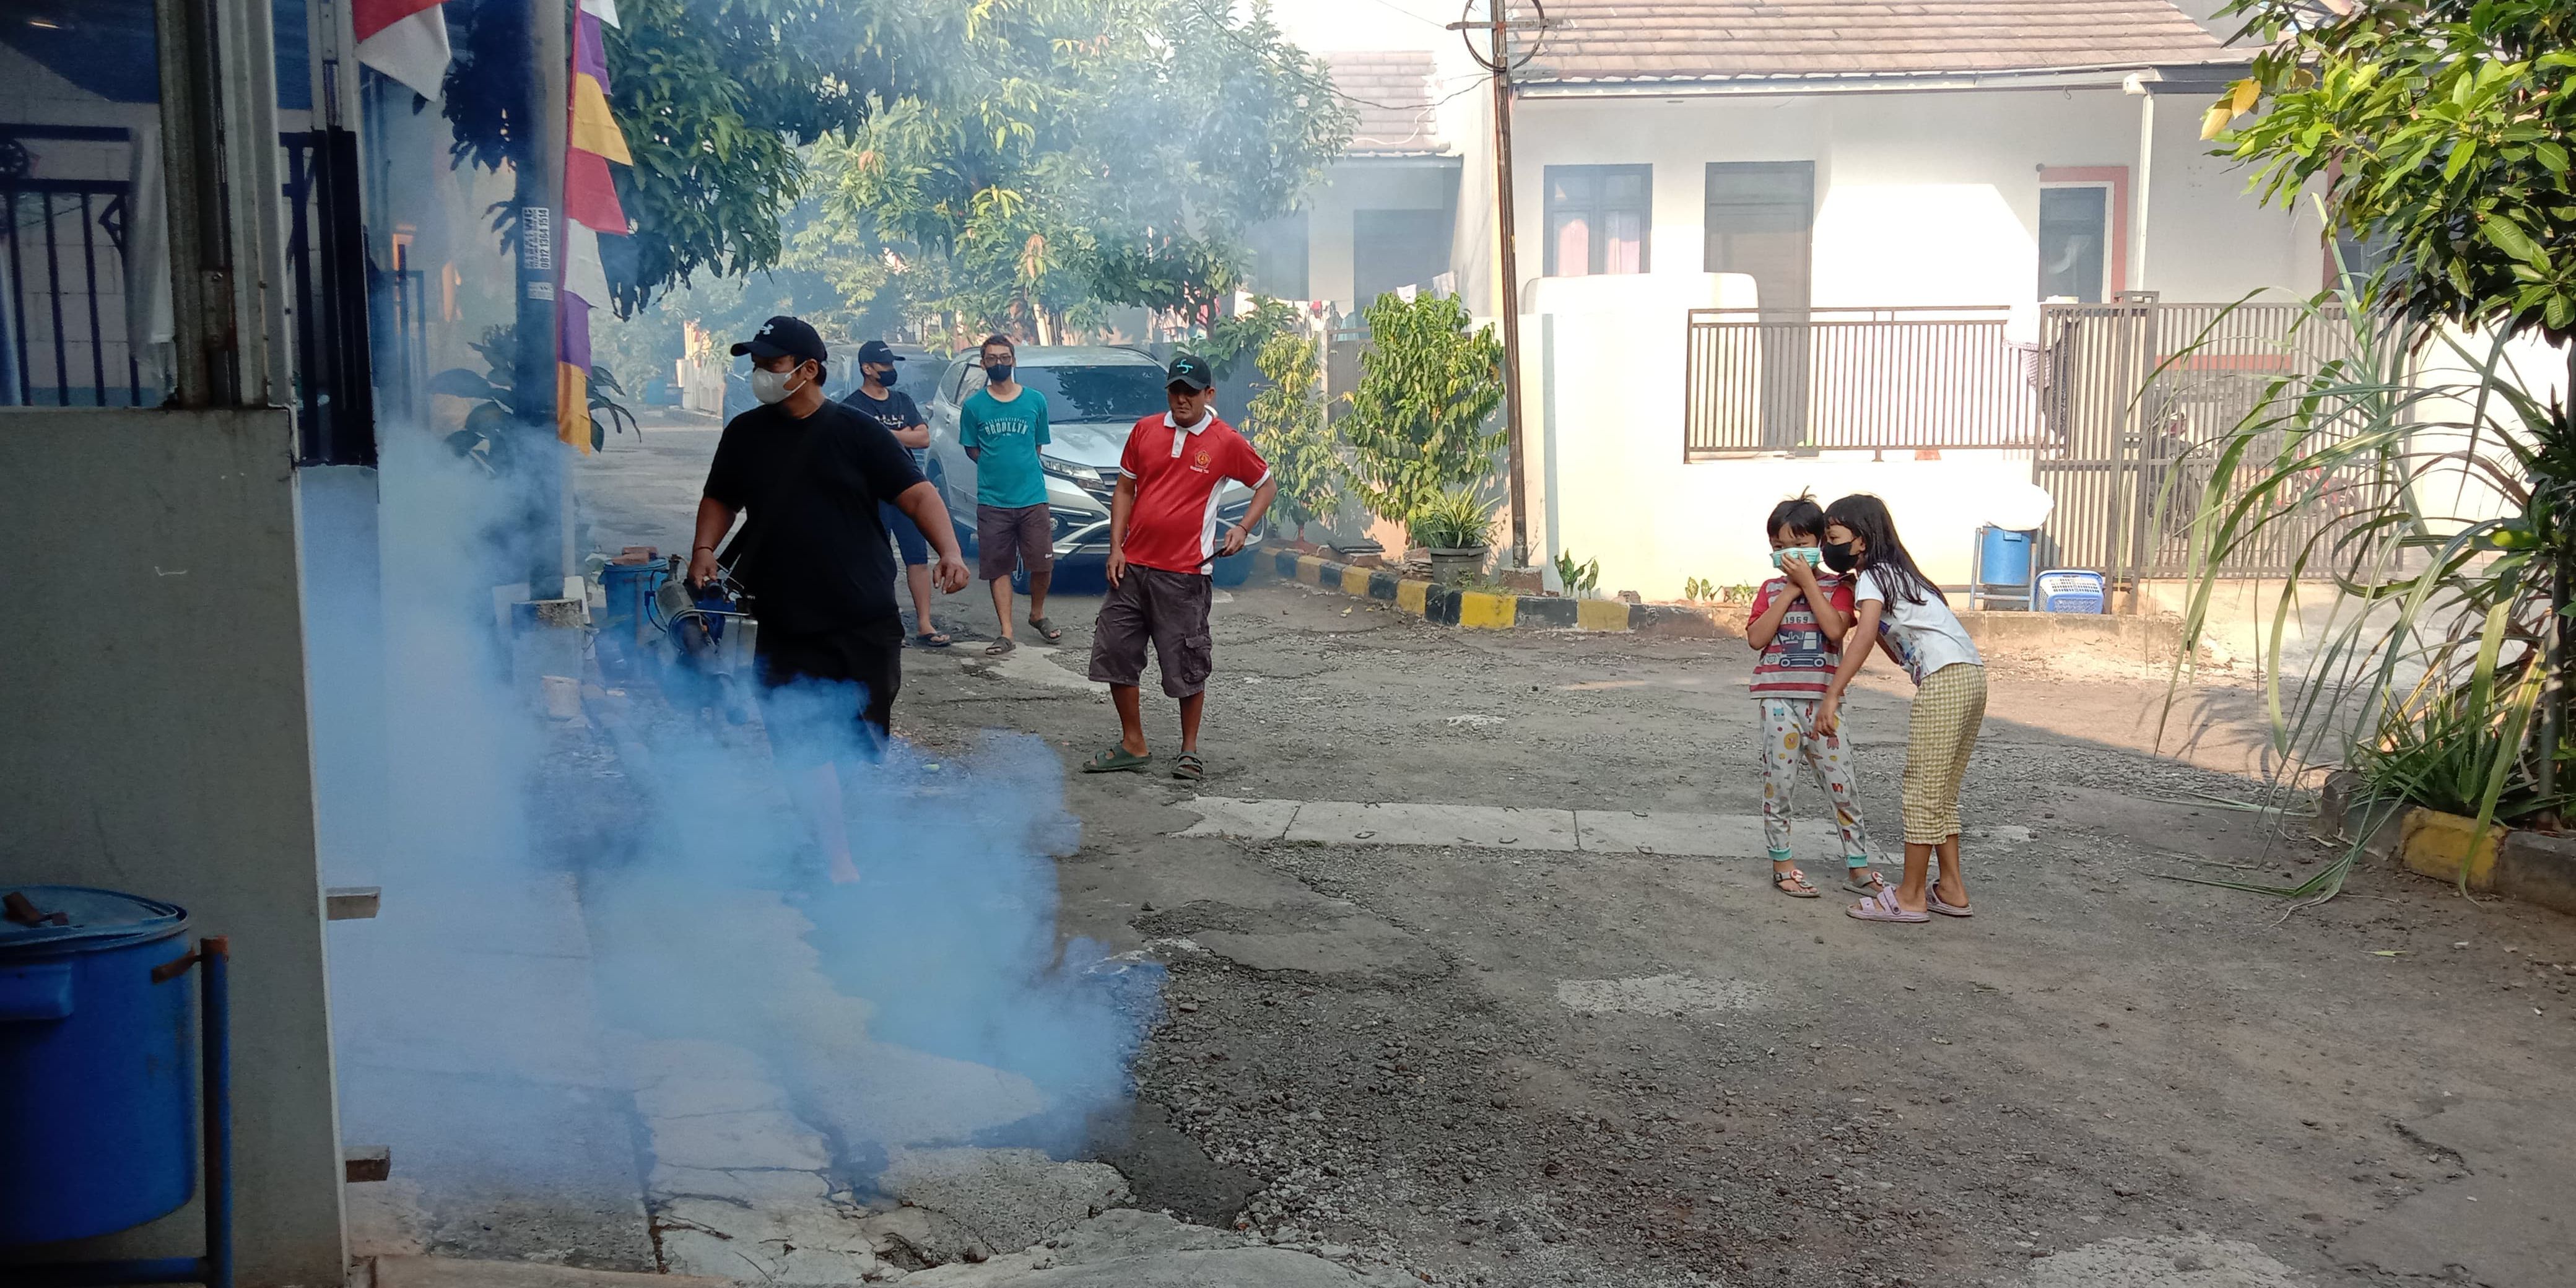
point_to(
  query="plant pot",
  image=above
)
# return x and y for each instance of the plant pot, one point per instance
(1455, 567)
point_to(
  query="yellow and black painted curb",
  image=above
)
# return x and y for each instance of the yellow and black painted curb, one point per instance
(1487, 610)
(2533, 867)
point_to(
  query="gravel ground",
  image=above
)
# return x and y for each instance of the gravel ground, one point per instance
(1528, 1068)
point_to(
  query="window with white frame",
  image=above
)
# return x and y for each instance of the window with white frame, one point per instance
(1597, 217)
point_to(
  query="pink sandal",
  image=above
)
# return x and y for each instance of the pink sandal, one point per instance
(1884, 907)
(1934, 901)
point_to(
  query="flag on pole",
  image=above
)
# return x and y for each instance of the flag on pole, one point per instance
(404, 39)
(591, 210)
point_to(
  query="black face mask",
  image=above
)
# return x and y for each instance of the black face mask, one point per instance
(997, 373)
(1839, 556)
(886, 377)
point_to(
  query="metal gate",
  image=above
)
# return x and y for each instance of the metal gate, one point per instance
(2135, 392)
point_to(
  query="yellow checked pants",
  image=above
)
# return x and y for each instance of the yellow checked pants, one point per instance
(1789, 736)
(1948, 707)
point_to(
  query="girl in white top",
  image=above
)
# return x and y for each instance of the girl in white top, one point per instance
(1914, 626)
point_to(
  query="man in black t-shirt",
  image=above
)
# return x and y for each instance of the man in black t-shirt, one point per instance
(877, 399)
(814, 557)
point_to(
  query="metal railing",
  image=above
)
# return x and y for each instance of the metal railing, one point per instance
(66, 333)
(1913, 376)
(2139, 394)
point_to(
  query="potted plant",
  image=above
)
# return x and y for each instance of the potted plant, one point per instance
(1456, 528)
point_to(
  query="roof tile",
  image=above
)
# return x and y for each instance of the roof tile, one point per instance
(1629, 39)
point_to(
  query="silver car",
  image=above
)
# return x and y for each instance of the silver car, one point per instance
(1094, 397)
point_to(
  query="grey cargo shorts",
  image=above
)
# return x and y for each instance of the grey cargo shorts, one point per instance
(1168, 608)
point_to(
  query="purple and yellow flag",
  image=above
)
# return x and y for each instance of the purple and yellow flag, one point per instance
(590, 209)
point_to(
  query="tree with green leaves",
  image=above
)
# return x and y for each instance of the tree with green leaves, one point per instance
(2438, 129)
(1287, 426)
(715, 98)
(1418, 422)
(1073, 152)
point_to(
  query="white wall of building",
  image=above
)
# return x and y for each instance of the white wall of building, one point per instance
(1365, 184)
(2205, 238)
(1608, 479)
(1929, 198)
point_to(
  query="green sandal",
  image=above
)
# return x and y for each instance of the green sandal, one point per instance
(1114, 761)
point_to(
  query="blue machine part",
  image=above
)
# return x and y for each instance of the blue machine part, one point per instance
(97, 1061)
(629, 589)
(2070, 590)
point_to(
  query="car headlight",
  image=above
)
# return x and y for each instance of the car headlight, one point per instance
(1064, 469)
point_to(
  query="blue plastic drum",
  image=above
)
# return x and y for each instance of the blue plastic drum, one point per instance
(97, 1064)
(2004, 558)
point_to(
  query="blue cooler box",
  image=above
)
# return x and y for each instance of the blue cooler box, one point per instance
(2066, 590)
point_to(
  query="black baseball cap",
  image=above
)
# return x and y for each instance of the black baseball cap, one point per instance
(878, 352)
(1191, 371)
(783, 336)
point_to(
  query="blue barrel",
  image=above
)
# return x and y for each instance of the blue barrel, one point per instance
(2003, 557)
(97, 1064)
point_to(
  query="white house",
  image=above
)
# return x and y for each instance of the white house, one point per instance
(1886, 195)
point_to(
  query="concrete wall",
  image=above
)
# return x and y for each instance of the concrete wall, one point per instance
(2200, 233)
(1930, 198)
(1366, 184)
(1605, 420)
(153, 739)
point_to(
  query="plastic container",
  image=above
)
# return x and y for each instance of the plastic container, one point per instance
(2003, 557)
(97, 1065)
(2069, 590)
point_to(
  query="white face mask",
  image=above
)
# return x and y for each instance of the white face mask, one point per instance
(772, 386)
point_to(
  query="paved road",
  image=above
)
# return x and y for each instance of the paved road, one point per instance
(1536, 1061)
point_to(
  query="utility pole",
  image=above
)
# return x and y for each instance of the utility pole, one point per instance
(1498, 61)
(548, 534)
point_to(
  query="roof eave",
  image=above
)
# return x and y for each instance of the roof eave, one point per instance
(2103, 76)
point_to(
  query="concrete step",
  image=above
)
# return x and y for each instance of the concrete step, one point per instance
(446, 1272)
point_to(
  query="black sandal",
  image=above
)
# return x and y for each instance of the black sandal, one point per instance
(1046, 629)
(931, 639)
(1188, 765)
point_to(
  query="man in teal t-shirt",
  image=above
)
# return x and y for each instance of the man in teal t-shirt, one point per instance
(1001, 426)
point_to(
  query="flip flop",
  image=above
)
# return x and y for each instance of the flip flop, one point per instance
(931, 639)
(1188, 765)
(1884, 907)
(1781, 882)
(1936, 903)
(1000, 646)
(1048, 629)
(1114, 761)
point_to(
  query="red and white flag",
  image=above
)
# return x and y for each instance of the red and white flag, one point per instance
(404, 39)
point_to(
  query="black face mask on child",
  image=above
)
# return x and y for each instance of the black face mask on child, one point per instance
(1838, 555)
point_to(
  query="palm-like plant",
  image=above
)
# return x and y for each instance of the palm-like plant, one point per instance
(2450, 537)
(491, 432)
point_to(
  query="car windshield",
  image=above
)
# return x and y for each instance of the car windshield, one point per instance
(1121, 392)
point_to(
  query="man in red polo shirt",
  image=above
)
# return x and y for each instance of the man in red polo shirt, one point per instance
(1163, 541)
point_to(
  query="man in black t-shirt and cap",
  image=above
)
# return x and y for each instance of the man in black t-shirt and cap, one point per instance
(877, 399)
(815, 558)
